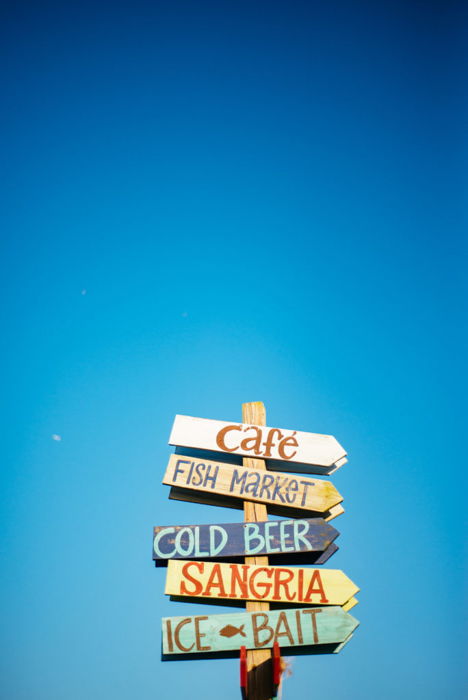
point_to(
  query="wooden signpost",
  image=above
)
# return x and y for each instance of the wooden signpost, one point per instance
(299, 493)
(204, 634)
(288, 450)
(283, 584)
(203, 561)
(241, 540)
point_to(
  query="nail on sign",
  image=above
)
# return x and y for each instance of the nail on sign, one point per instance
(256, 630)
(295, 450)
(242, 539)
(252, 484)
(250, 582)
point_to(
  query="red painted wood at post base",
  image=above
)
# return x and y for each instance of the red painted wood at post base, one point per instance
(276, 667)
(243, 672)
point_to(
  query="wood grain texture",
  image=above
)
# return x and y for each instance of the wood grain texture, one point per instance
(303, 586)
(252, 483)
(204, 634)
(218, 541)
(286, 450)
(255, 413)
(212, 499)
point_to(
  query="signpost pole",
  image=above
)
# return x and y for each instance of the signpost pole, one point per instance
(259, 661)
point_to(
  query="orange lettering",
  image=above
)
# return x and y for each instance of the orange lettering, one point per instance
(215, 581)
(291, 440)
(256, 441)
(316, 578)
(200, 565)
(235, 578)
(270, 440)
(264, 584)
(283, 583)
(221, 436)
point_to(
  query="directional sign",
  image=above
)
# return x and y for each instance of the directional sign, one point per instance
(242, 539)
(200, 634)
(301, 493)
(291, 449)
(200, 579)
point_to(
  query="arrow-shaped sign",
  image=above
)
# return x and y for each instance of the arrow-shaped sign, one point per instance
(288, 491)
(202, 634)
(292, 450)
(200, 579)
(242, 539)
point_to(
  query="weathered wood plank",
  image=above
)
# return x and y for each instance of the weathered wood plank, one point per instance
(301, 493)
(205, 634)
(212, 499)
(303, 586)
(258, 660)
(291, 450)
(217, 541)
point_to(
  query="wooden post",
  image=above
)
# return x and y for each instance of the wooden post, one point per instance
(259, 661)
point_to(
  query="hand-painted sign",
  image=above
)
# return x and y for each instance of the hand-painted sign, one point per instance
(199, 579)
(252, 484)
(295, 450)
(242, 539)
(256, 630)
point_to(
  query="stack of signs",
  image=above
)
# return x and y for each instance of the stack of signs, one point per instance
(309, 605)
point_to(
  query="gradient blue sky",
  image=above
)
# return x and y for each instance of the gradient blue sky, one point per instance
(263, 201)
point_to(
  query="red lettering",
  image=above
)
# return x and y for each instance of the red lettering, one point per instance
(236, 579)
(215, 580)
(264, 584)
(316, 579)
(282, 579)
(200, 565)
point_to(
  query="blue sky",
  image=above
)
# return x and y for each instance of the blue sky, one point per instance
(206, 204)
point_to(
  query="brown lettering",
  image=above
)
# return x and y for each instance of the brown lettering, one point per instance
(220, 437)
(299, 627)
(291, 440)
(269, 442)
(169, 635)
(198, 634)
(313, 613)
(256, 629)
(256, 441)
(282, 620)
(181, 624)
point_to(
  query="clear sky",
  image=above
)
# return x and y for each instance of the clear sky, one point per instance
(206, 204)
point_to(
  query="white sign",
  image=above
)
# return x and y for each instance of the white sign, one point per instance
(293, 450)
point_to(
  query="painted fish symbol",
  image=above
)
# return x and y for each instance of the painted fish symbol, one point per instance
(230, 631)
